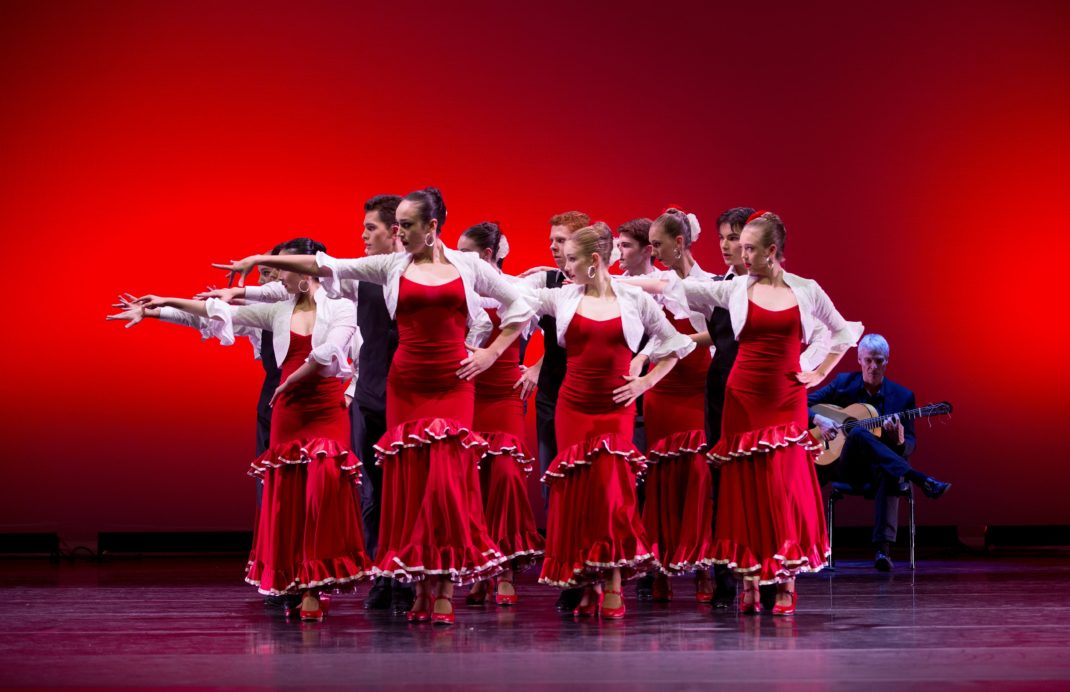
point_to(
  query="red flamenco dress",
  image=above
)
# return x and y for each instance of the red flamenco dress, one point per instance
(308, 532)
(432, 522)
(506, 462)
(770, 522)
(593, 522)
(678, 513)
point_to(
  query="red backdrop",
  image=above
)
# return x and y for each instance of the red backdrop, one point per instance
(917, 152)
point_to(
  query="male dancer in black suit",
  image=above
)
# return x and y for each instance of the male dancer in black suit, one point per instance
(548, 374)
(729, 225)
(866, 459)
(368, 404)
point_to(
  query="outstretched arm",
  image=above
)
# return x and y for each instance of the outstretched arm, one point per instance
(299, 264)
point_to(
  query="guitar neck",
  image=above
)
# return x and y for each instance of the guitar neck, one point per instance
(877, 422)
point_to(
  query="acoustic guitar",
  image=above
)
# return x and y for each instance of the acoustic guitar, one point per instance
(866, 417)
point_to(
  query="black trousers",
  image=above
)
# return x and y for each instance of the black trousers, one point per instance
(368, 425)
(865, 460)
(263, 425)
(545, 434)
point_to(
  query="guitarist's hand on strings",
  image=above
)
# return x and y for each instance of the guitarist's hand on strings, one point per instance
(828, 427)
(894, 425)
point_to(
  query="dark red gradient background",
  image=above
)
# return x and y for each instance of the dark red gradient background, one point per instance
(917, 151)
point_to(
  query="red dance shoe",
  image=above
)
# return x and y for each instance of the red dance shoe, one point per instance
(506, 599)
(752, 608)
(594, 605)
(443, 618)
(418, 614)
(701, 584)
(788, 609)
(613, 613)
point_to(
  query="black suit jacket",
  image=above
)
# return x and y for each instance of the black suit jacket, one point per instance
(847, 389)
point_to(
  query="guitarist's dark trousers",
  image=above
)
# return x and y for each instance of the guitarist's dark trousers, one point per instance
(866, 460)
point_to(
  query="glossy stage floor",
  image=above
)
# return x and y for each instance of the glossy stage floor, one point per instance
(192, 622)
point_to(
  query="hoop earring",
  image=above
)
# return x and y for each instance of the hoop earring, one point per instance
(590, 272)
(306, 283)
(770, 262)
(432, 237)
(677, 254)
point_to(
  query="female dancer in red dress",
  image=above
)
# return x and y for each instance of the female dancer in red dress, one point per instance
(594, 531)
(308, 534)
(770, 521)
(432, 529)
(499, 419)
(678, 514)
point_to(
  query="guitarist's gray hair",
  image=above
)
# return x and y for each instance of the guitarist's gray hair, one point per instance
(875, 342)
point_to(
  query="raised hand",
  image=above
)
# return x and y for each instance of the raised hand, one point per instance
(131, 311)
(232, 296)
(628, 393)
(529, 380)
(280, 391)
(535, 270)
(238, 269)
(478, 360)
(810, 378)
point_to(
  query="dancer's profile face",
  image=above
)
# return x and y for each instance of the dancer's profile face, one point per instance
(755, 255)
(730, 249)
(574, 264)
(290, 280)
(378, 237)
(266, 275)
(558, 236)
(662, 245)
(411, 230)
(633, 255)
(466, 244)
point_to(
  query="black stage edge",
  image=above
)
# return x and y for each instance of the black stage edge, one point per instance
(1055, 535)
(174, 543)
(27, 544)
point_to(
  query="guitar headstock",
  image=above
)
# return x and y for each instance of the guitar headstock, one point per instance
(938, 409)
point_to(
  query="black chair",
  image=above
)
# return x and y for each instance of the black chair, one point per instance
(868, 491)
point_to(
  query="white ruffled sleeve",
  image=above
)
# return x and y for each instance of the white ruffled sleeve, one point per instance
(843, 335)
(544, 300)
(273, 292)
(665, 341)
(185, 319)
(342, 275)
(515, 307)
(694, 294)
(223, 318)
(333, 353)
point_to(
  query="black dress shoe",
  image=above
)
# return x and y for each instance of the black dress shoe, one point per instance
(934, 488)
(402, 597)
(568, 600)
(767, 596)
(882, 562)
(644, 587)
(283, 602)
(381, 595)
(724, 594)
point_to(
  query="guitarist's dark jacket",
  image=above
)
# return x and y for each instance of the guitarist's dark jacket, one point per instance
(847, 388)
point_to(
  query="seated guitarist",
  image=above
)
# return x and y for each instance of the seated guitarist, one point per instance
(881, 461)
